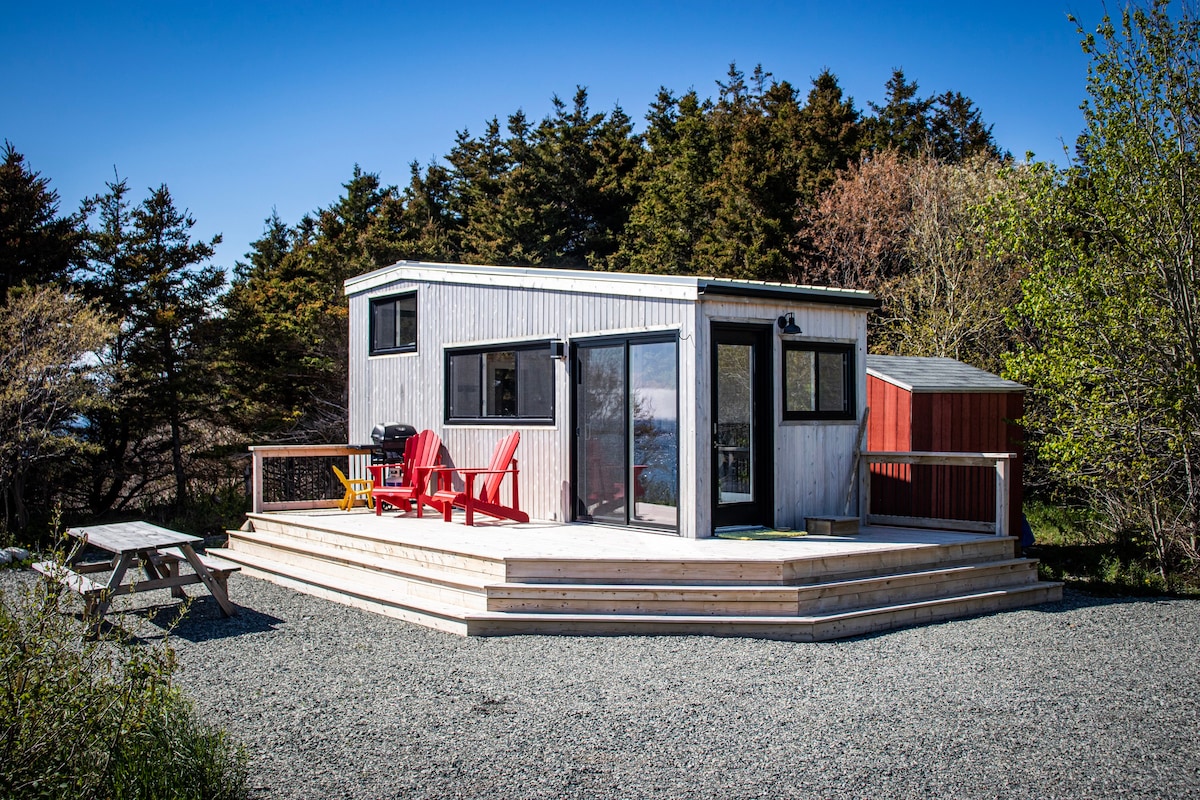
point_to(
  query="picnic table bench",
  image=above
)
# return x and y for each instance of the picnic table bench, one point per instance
(157, 551)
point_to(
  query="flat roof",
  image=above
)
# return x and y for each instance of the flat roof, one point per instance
(928, 374)
(682, 287)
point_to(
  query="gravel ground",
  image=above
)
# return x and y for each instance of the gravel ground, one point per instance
(1087, 698)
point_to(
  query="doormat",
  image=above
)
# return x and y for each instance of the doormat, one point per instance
(756, 534)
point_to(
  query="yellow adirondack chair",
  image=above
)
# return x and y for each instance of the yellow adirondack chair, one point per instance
(355, 488)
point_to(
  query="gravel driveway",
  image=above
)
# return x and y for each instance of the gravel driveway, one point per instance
(1087, 698)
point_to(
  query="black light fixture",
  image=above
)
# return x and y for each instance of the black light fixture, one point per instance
(788, 326)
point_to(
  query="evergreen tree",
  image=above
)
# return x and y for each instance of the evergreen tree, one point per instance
(36, 244)
(754, 189)
(287, 350)
(260, 365)
(828, 137)
(146, 271)
(674, 206)
(116, 469)
(421, 220)
(479, 171)
(902, 123)
(957, 131)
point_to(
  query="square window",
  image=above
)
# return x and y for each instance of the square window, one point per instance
(818, 381)
(394, 324)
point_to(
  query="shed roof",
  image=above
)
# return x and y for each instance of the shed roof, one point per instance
(677, 286)
(924, 374)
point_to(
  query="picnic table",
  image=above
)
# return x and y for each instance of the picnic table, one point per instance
(156, 551)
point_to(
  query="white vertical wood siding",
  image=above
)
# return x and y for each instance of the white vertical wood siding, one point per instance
(813, 459)
(409, 388)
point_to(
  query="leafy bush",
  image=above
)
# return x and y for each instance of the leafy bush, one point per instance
(97, 716)
(1072, 546)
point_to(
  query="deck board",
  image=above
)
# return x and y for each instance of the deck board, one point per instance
(546, 540)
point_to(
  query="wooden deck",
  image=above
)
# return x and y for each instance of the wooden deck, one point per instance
(509, 578)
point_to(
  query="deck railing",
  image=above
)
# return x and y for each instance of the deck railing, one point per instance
(908, 489)
(290, 477)
(951, 491)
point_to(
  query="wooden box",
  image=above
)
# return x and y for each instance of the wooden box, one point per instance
(831, 526)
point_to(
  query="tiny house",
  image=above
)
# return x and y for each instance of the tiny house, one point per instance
(658, 416)
(673, 404)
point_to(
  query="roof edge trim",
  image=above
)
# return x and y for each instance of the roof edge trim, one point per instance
(799, 293)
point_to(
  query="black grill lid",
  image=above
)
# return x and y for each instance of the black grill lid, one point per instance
(391, 432)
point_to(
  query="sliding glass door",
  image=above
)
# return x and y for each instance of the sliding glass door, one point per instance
(627, 431)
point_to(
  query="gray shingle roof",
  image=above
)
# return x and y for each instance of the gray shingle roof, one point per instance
(920, 374)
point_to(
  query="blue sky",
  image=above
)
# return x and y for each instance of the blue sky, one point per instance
(244, 107)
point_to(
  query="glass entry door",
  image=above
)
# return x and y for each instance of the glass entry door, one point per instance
(742, 433)
(627, 432)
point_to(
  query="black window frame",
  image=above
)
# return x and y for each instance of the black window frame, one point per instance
(849, 384)
(542, 347)
(396, 347)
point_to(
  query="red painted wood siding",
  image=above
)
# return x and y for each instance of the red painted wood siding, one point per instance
(889, 425)
(889, 428)
(944, 422)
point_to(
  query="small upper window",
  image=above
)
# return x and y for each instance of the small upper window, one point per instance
(394, 324)
(500, 384)
(818, 381)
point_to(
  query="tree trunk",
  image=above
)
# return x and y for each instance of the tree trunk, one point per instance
(181, 486)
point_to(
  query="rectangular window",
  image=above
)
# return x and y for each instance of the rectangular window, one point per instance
(818, 381)
(394, 324)
(500, 384)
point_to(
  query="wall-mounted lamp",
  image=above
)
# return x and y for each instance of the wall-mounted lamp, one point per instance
(788, 326)
(558, 349)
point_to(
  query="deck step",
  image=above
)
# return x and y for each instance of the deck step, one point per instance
(924, 584)
(350, 589)
(371, 577)
(869, 562)
(436, 558)
(729, 600)
(438, 577)
(562, 598)
(464, 580)
(820, 627)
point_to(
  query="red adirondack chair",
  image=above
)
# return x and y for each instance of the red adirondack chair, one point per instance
(422, 455)
(488, 500)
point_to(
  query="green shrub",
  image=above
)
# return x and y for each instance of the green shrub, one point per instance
(97, 716)
(1072, 546)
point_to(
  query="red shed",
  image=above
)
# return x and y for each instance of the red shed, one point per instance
(942, 405)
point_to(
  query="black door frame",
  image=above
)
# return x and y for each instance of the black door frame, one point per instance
(761, 510)
(578, 512)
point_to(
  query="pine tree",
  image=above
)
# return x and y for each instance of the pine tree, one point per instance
(146, 271)
(754, 188)
(287, 351)
(902, 123)
(957, 131)
(673, 206)
(36, 244)
(828, 136)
